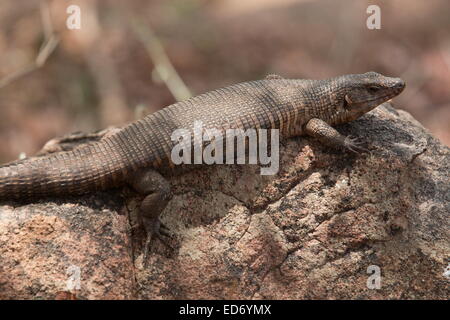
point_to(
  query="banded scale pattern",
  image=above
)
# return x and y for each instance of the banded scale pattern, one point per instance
(273, 103)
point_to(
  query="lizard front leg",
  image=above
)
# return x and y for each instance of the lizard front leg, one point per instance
(326, 134)
(156, 190)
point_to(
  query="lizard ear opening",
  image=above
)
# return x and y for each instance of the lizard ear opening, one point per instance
(347, 102)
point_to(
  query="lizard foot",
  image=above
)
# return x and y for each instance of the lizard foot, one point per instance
(354, 145)
(155, 230)
(73, 140)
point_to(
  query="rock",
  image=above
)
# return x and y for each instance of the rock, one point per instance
(50, 248)
(313, 231)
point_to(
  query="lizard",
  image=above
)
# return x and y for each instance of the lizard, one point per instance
(135, 154)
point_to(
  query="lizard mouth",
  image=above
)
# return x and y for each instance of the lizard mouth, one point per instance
(348, 104)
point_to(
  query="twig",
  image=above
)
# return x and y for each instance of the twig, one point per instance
(48, 46)
(162, 63)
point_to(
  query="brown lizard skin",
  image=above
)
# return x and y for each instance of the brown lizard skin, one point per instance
(134, 154)
(285, 104)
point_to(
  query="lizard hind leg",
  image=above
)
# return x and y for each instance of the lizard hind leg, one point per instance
(74, 140)
(156, 190)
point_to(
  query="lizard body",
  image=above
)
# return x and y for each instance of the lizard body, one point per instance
(134, 154)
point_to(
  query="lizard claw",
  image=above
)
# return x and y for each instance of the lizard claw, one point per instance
(354, 145)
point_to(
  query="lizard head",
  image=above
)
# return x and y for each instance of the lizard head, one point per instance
(360, 93)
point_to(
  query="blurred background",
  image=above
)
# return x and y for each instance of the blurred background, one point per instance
(134, 57)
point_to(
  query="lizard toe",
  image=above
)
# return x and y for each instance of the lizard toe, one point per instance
(155, 230)
(354, 144)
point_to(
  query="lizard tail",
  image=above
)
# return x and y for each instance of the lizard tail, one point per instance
(75, 172)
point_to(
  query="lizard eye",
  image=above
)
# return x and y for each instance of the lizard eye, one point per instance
(373, 89)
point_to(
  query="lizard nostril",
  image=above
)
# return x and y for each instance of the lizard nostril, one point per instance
(400, 84)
